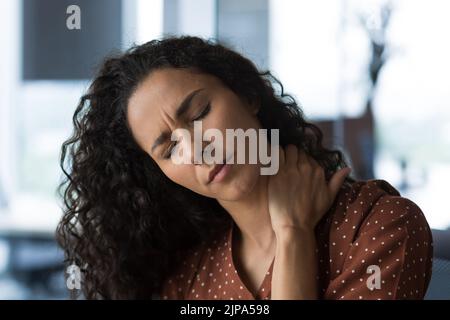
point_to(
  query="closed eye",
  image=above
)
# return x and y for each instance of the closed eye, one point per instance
(204, 113)
(169, 152)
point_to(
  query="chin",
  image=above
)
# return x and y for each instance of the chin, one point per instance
(240, 185)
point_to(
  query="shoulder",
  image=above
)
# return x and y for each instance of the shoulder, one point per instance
(373, 201)
(371, 224)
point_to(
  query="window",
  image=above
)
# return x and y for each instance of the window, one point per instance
(321, 52)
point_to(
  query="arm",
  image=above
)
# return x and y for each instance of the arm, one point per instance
(298, 197)
(295, 268)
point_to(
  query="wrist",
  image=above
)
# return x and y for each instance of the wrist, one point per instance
(293, 233)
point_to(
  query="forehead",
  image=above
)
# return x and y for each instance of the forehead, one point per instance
(160, 94)
(167, 87)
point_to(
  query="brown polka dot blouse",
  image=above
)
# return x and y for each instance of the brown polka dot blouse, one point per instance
(372, 244)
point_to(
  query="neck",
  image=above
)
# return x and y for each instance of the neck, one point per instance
(251, 215)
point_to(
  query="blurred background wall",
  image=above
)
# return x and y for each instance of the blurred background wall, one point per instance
(372, 74)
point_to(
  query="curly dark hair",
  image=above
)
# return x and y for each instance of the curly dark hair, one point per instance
(117, 224)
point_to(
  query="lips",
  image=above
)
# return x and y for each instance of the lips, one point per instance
(214, 171)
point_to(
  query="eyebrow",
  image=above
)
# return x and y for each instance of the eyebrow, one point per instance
(181, 110)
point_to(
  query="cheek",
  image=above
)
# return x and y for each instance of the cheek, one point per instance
(249, 177)
(239, 117)
(183, 175)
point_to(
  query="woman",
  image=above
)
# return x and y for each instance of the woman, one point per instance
(141, 226)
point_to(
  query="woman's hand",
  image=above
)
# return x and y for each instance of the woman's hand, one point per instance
(299, 195)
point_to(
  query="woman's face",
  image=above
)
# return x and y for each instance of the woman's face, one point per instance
(152, 116)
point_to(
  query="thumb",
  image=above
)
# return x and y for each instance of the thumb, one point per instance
(337, 180)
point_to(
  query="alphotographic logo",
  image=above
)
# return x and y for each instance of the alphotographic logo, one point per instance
(73, 21)
(73, 281)
(374, 280)
(214, 152)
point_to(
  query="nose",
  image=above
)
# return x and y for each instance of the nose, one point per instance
(199, 151)
(191, 153)
(195, 154)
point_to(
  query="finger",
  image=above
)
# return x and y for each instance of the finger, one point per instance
(303, 159)
(291, 152)
(312, 162)
(337, 180)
